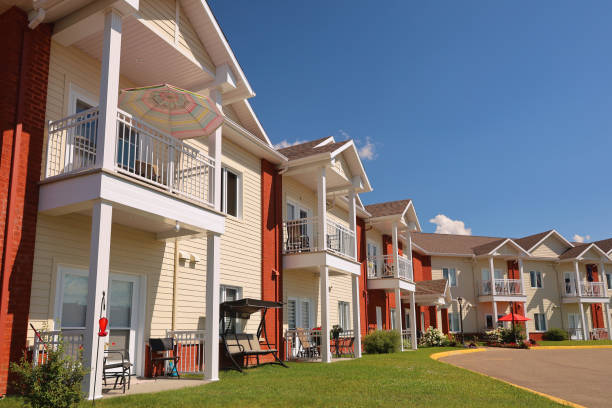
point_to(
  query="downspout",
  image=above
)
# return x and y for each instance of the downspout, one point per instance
(174, 273)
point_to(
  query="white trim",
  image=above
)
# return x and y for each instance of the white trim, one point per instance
(239, 194)
(548, 235)
(75, 92)
(541, 279)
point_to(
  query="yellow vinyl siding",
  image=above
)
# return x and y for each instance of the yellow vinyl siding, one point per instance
(552, 247)
(546, 299)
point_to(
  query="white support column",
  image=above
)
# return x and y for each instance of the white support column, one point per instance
(353, 220)
(322, 211)
(213, 276)
(324, 289)
(395, 250)
(99, 257)
(606, 309)
(214, 151)
(602, 278)
(413, 321)
(494, 314)
(492, 275)
(356, 315)
(526, 323)
(398, 316)
(109, 91)
(577, 273)
(520, 265)
(438, 318)
(408, 252)
(585, 330)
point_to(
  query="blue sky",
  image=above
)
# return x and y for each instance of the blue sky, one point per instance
(498, 114)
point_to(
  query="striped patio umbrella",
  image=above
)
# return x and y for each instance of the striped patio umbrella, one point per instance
(175, 111)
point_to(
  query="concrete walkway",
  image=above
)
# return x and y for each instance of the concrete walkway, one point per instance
(581, 376)
(148, 385)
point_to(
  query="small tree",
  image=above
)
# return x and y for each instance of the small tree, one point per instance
(56, 383)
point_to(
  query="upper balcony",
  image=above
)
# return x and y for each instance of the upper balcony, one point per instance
(383, 266)
(501, 290)
(584, 292)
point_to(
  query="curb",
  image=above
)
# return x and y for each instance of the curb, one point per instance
(437, 356)
(570, 347)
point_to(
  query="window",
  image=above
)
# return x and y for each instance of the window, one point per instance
(609, 280)
(292, 314)
(453, 322)
(450, 274)
(74, 300)
(230, 192)
(372, 254)
(489, 321)
(535, 278)
(299, 313)
(407, 318)
(540, 321)
(231, 324)
(344, 315)
(393, 314)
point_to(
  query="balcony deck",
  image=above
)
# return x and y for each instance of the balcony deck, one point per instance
(510, 290)
(587, 292)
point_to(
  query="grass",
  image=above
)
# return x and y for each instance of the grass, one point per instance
(575, 343)
(409, 379)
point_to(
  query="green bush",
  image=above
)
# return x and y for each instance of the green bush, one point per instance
(433, 337)
(555, 335)
(379, 342)
(54, 384)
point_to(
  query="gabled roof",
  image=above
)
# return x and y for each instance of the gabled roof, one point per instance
(450, 244)
(431, 287)
(578, 251)
(605, 245)
(323, 145)
(491, 247)
(530, 242)
(389, 208)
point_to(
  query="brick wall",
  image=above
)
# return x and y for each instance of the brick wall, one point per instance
(23, 95)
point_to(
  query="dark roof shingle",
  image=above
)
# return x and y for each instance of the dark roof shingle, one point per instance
(605, 245)
(388, 208)
(302, 150)
(529, 241)
(573, 252)
(453, 244)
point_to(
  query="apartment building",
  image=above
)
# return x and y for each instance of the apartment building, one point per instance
(554, 282)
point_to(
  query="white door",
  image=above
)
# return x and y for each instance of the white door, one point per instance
(486, 281)
(575, 326)
(300, 233)
(379, 318)
(372, 254)
(569, 283)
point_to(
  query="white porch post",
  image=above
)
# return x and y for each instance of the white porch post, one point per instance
(395, 251)
(325, 344)
(413, 321)
(398, 316)
(408, 252)
(606, 309)
(602, 278)
(526, 323)
(494, 315)
(213, 273)
(99, 257)
(109, 91)
(520, 265)
(214, 151)
(577, 273)
(322, 211)
(353, 220)
(492, 276)
(356, 316)
(585, 330)
(438, 318)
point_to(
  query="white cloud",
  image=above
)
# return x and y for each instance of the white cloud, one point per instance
(367, 151)
(285, 143)
(344, 134)
(446, 225)
(580, 238)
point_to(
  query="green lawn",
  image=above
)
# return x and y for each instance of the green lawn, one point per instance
(409, 379)
(575, 343)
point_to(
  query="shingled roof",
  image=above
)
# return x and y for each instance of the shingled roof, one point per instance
(574, 252)
(453, 244)
(430, 287)
(388, 208)
(311, 148)
(605, 245)
(529, 241)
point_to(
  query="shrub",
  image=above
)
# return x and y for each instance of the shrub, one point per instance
(508, 336)
(54, 384)
(555, 335)
(433, 337)
(379, 342)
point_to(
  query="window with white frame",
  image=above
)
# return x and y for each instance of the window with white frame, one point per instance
(344, 315)
(609, 280)
(292, 314)
(392, 315)
(489, 322)
(230, 192)
(299, 313)
(372, 254)
(453, 322)
(535, 278)
(229, 293)
(450, 274)
(540, 321)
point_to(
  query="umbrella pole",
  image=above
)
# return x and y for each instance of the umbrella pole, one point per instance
(512, 311)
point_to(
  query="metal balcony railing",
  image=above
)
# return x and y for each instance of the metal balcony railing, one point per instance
(382, 266)
(587, 289)
(501, 287)
(301, 235)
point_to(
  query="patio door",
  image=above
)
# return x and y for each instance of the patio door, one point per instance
(299, 233)
(122, 308)
(486, 284)
(569, 280)
(575, 326)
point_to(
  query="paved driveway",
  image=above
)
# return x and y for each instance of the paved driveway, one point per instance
(582, 376)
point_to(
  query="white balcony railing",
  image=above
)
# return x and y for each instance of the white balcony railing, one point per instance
(302, 236)
(587, 289)
(189, 346)
(407, 338)
(142, 152)
(72, 340)
(501, 287)
(382, 266)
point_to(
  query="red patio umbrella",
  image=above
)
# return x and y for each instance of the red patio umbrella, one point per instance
(513, 317)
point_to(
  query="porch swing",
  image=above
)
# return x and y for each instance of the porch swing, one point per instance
(240, 345)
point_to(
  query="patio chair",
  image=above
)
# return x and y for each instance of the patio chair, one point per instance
(120, 370)
(163, 346)
(346, 346)
(307, 349)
